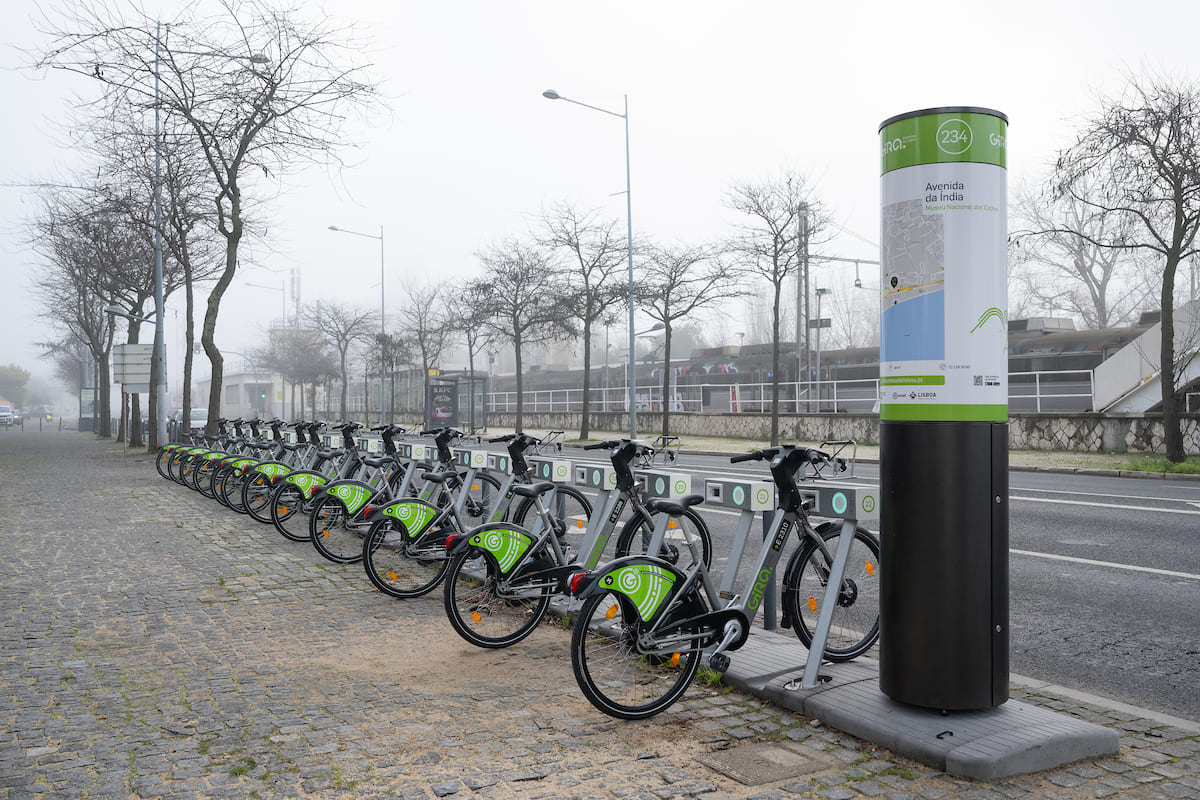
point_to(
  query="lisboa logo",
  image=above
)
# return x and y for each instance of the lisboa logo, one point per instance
(868, 504)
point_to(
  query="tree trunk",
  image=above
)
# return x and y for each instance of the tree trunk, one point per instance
(208, 336)
(104, 403)
(345, 382)
(1172, 433)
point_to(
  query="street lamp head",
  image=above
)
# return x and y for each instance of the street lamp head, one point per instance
(113, 310)
(550, 94)
(334, 228)
(259, 58)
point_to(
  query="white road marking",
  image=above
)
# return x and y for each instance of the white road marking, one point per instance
(1094, 563)
(1106, 505)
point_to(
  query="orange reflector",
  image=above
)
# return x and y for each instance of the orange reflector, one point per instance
(281, 510)
(870, 568)
(325, 534)
(672, 524)
(476, 486)
(612, 612)
(475, 616)
(675, 659)
(579, 523)
(812, 604)
(393, 576)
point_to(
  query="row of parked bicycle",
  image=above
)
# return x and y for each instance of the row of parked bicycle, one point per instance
(504, 548)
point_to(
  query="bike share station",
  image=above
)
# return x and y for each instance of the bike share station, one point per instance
(939, 692)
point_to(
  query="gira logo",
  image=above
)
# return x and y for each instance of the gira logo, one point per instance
(760, 586)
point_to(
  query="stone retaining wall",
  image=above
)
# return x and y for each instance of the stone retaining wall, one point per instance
(1084, 433)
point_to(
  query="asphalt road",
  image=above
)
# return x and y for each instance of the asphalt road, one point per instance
(1104, 577)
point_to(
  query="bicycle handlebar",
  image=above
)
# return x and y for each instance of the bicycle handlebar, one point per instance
(602, 445)
(757, 455)
(508, 437)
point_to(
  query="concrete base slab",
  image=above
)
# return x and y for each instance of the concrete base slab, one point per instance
(1013, 739)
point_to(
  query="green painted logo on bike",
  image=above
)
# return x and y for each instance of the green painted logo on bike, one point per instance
(506, 544)
(241, 464)
(414, 515)
(353, 497)
(306, 482)
(645, 584)
(273, 470)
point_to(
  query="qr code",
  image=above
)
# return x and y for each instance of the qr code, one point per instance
(979, 380)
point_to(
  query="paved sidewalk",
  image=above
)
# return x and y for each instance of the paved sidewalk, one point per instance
(154, 644)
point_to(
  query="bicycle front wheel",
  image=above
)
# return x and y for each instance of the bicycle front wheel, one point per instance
(482, 495)
(635, 539)
(569, 514)
(162, 461)
(334, 532)
(614, 676)
(855, 626)
(480, 612)
(400, 566)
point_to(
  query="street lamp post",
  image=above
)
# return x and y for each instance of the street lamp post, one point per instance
(550, 94)
(382, 321)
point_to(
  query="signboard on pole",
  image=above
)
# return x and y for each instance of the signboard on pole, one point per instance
(944, 337)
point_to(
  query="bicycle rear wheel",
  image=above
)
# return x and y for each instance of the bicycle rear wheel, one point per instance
(613, 675)
(256, 490)
(855, 626)
(289, 512)
(400, 566)
(163, 460)
(334, 532)
(482, 615)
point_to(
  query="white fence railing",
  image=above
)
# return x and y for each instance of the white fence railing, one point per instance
(1027, 391)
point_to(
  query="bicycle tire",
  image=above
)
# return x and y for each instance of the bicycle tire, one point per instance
(399, 566)
(201, 478)
(228, 486)
(216, 480)
(175, 467)
(855, 626)
(612, 675)
(289, 512)
(674, 550)
(163, 460)
(569, 513)
(333, 533)
(478, 613)
(256, 493)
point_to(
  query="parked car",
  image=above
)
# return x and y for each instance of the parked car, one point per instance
(8, 416)
(199, 420)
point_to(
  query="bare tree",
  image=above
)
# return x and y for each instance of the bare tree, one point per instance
(1139, 160)
(1056, 237)
(255, 86)
(76, 251)
(425, 319)
(598, 256)
(475, 335)
(341, 326)
(773, 244)
(521, 300)
(679, 282)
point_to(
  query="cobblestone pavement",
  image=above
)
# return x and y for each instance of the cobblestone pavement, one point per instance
(154, 644)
